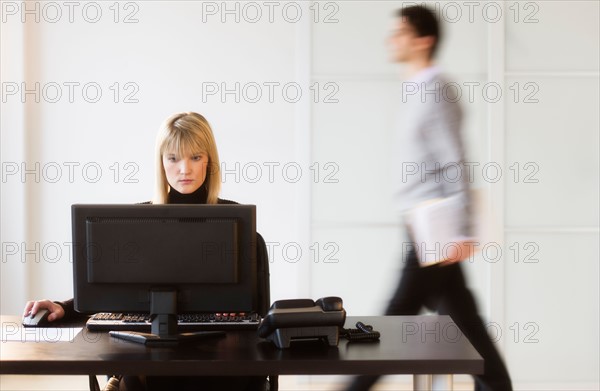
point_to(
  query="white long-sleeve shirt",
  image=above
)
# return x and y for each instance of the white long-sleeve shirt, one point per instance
(429, 154)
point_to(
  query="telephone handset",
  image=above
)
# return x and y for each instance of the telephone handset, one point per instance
(298, 319)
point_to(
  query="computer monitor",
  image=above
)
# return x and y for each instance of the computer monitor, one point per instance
(164, 260)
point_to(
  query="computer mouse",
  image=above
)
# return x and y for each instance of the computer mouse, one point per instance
(40, 319)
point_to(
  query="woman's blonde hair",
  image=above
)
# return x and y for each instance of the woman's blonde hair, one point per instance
(187, 134)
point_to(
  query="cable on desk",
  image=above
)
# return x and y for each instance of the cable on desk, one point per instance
(362, 333)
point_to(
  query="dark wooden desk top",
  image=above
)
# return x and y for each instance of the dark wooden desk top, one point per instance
(408, 345)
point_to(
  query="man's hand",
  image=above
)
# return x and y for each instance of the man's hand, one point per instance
(458, 252)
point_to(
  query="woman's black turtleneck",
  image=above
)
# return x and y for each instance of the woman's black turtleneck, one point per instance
(197, 197)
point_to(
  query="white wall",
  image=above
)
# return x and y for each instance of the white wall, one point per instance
(337, 210)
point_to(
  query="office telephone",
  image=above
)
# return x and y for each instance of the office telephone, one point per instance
(300, 319)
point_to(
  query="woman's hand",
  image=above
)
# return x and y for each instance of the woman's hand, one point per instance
(56, 311)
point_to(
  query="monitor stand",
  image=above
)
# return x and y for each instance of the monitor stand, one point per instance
(163, 311)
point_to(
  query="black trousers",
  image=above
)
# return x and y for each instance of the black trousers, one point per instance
(443, 289)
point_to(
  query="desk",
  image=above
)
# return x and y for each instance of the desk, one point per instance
(409, 345)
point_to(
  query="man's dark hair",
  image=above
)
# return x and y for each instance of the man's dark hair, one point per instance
(423, 21)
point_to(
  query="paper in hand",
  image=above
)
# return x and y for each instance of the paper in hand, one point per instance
(436, 227)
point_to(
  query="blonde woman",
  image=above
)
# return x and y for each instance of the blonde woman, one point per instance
(187, 172)
(187, 162)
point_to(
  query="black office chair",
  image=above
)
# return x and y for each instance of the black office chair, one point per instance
(264, 293)
(264, 302)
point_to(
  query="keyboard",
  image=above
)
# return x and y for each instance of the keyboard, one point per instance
(185, 322)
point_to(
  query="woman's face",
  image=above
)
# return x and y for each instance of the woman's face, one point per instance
(185, 173)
